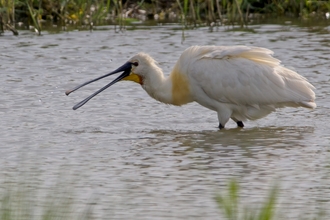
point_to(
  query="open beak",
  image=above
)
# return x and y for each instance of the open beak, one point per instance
(126, 69)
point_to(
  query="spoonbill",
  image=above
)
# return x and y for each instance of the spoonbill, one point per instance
(238, 82)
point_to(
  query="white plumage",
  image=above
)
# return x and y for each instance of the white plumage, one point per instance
(238, 82)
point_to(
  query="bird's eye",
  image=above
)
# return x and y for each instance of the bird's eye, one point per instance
(135, 64)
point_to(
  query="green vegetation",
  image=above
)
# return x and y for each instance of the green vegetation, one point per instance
(229, 204)
(15, 205)
(25, 197)
(231, 207)
(192, 13)
(23, 201)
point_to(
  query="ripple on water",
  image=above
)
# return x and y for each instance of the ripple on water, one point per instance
(141, 159)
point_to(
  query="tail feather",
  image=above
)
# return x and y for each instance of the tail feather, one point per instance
(310, 104)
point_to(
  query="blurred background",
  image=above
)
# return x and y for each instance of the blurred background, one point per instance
(124, 155)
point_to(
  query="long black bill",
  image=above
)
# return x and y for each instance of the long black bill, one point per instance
(127, 70)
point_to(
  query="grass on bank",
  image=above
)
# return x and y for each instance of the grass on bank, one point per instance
(191, 13)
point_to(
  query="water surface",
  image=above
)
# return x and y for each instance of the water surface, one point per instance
(134, 158)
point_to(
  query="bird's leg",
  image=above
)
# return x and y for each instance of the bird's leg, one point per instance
(223, 116)
(240, 124)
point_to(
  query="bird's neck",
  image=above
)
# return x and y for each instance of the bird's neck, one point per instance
(173, 90)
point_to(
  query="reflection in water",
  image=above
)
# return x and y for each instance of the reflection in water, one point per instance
(218, 149)
(250, 137)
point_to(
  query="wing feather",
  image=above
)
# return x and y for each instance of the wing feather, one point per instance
(244, 75)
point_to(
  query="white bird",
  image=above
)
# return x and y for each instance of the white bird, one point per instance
(238, 82)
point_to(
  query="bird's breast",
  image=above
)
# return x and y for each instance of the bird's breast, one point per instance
(181, 93)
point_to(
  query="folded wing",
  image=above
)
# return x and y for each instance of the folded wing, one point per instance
(244, 75)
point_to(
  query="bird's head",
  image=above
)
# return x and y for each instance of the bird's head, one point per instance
(141, 64)
(135, 69)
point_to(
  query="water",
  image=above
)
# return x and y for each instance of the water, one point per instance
(130, 157)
